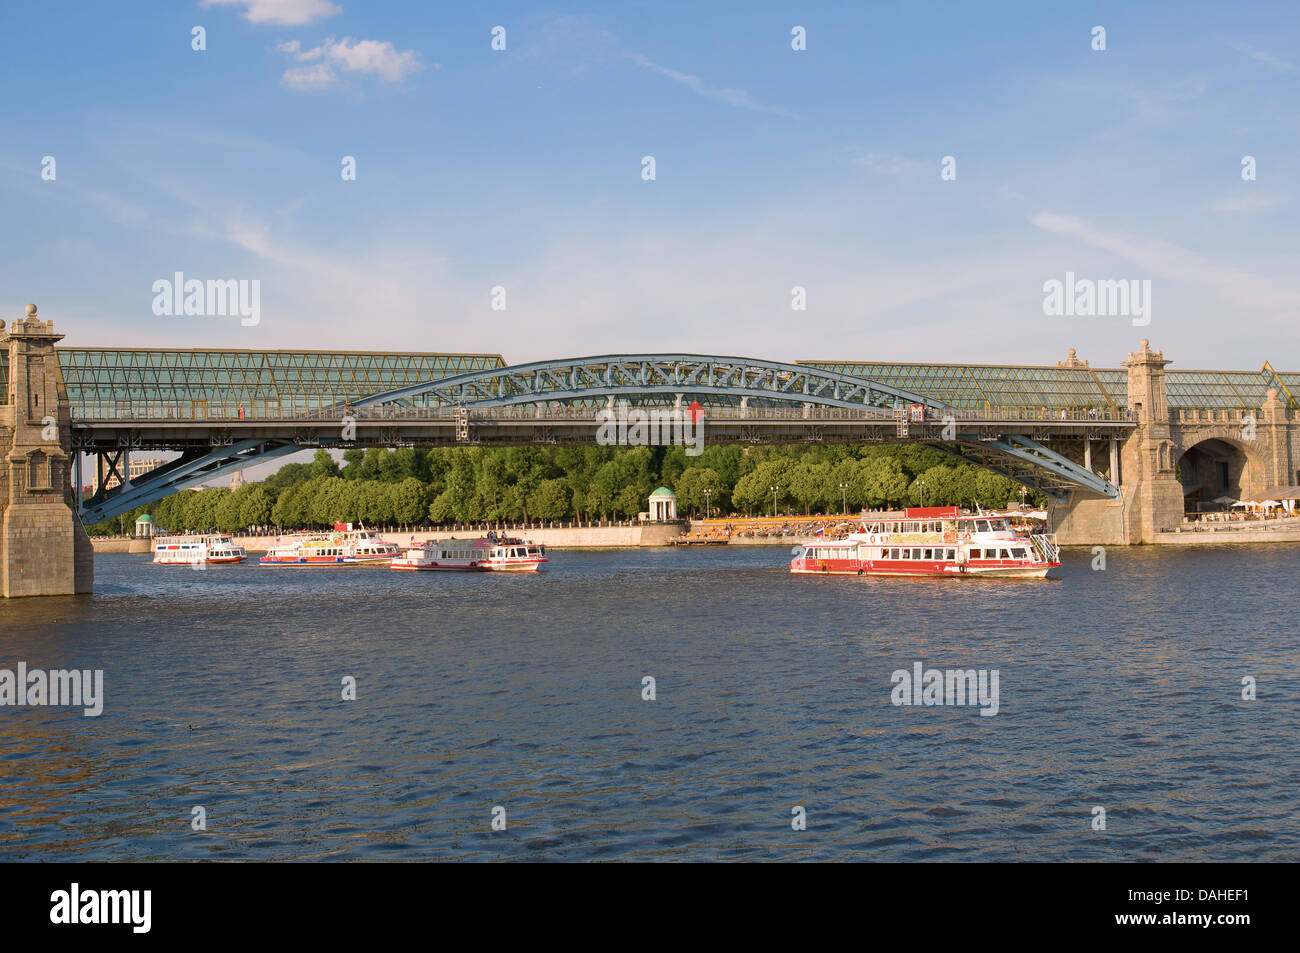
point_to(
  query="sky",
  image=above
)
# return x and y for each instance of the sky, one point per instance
(774, 168)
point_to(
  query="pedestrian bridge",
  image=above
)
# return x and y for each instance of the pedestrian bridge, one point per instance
(223, 410)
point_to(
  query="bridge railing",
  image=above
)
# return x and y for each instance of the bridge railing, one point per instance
(147, 412)
(1212, 415)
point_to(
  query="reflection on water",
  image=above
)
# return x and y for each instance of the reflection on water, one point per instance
(1118, 688)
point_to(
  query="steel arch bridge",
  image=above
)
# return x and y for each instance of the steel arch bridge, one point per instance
(655, 375)
(736, 394)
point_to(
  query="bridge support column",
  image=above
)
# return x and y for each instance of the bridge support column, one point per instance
(1272, 427)
(1148, 456)
(44, 550)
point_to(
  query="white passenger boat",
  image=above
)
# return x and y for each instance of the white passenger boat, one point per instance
(487, 554)
(932, 541)
(344, 546)
(204, 548)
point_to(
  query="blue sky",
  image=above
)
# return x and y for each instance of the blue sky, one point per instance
(774, 168)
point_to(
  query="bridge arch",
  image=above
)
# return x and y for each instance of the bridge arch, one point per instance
(1211, 466)
(656, 377)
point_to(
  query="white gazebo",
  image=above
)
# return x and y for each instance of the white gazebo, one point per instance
(144, 525)
(663, 504)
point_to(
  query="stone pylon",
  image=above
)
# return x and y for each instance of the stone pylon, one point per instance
(1149, 463)
(44, 550)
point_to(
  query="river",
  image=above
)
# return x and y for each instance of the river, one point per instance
(519, 698)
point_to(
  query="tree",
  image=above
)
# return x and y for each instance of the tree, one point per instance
(323, 465)
(551, 500)
(255, 510)
(409, 503)
(690, 489)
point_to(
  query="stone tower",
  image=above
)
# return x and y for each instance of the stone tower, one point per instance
(44, 550)
(1149, 458)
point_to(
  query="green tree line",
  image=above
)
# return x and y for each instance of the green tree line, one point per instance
(410, 487)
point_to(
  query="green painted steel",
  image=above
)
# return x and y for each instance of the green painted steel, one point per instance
(175, 384)
(986, 387)
(103, 383)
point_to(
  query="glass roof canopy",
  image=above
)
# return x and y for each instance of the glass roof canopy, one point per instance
(180, 383)
(981, 386)
(193, 384)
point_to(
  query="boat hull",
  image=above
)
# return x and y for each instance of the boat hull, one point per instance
(410, 566)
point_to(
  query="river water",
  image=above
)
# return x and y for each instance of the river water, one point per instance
(1119, 689)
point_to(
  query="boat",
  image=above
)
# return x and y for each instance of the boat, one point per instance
(485, 554)
(214, 548)
(932, 541)
(344, 546)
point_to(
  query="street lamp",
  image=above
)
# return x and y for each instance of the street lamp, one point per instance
(1023, 490)
(774, 489)
(921, 484)
(707, 494)
(844, 499)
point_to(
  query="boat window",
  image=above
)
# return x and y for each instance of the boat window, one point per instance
(1003, 554)
(1018, 553)
(929, 554)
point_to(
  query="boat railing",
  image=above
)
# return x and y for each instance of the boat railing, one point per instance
(1046, 547)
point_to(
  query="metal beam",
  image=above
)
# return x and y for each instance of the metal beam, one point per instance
(1044, 469)
(181, 474)
(647, 375)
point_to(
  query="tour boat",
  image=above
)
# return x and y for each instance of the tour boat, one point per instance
(191, 550)
(932, 541)
(345, 546)
(486, 554)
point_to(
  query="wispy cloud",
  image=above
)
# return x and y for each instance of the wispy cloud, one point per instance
(1251, 202)
(1245, 291)
(732, 97)
(1262, 56)
(1164, 103)
(381, 59)
(885, 163)
(283, 12)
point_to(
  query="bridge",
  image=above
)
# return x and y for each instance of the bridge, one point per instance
(1104, 444)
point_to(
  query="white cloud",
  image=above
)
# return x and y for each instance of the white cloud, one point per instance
(1246, 293)
(1263, 56)
(1251, 202)
(308, 78)
(371, 56)
(284, 12)
(732, 97)
(294, 49)
(884, 163)
(381, 59)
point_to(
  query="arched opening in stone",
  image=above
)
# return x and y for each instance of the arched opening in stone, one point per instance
(1212, 473)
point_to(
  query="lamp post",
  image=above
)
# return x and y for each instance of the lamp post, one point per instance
(921, 484)
(774, 489)
(707, 493)
(844, 499)
(1023, 490)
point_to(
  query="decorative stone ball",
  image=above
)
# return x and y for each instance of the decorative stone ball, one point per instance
(31, 311)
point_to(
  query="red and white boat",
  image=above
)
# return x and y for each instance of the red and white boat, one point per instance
(932, 541)
(486, 554)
